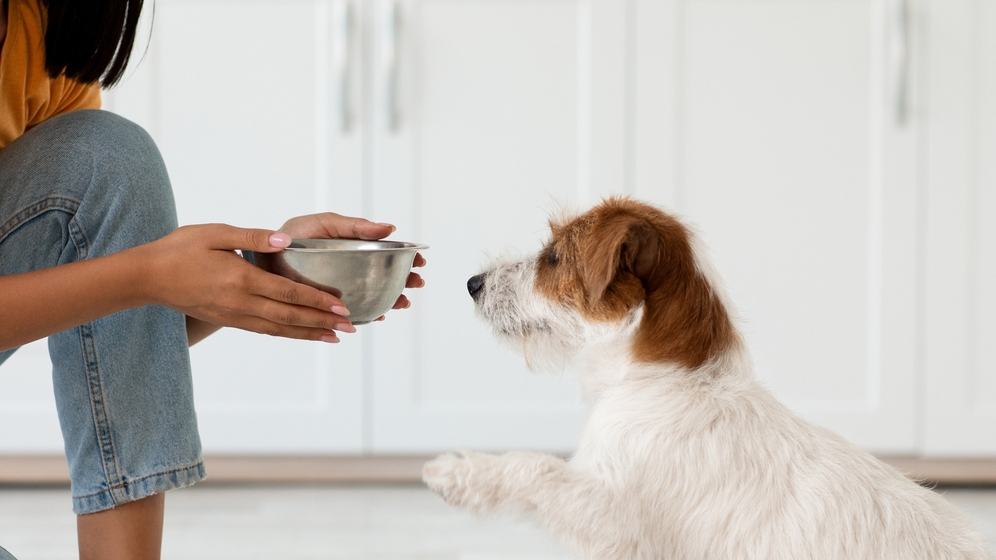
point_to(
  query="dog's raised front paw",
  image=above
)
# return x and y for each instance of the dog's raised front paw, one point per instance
(447, 475)
(472, 481)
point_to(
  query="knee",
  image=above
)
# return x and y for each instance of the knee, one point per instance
(124, 184)
(103, 137)
(67, 149)
(105, 163)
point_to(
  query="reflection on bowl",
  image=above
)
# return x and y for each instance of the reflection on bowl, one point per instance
(368, 276)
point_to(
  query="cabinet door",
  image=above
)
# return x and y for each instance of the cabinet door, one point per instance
(960, 320)
(495, 114)
(29, 423)
(244, 101)
(775, 127)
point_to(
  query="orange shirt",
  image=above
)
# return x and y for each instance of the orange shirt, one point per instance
(28, 95)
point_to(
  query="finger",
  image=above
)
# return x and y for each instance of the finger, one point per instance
(414, 281)
(402, 303)
(353, 228)
(222, 236)
(419, 260)
(262, 326)
(274, 287)
(297, 316)
(370, 230)
(381, 318)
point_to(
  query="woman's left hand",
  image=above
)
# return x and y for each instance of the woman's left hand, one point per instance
(333, 226)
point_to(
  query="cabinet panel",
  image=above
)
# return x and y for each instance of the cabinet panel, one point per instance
(500, 110)
(783, 147)
(961, 254)
(240, 98)
(770, 125)
(28, 420)
(776, 172)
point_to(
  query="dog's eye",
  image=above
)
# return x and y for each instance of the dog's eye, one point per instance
(551, 256)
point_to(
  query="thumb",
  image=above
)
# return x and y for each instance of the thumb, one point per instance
(262, 240)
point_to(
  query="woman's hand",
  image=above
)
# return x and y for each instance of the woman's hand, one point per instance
(333, 226)
(196, 271)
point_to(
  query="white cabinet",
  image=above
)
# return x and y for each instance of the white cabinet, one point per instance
(238, 96)
(28, 420)
(507, 110)
(463, 122)
(855, 242)
(773, 127)
(959, 322)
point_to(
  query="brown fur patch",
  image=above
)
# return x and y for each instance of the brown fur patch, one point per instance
(623, 252)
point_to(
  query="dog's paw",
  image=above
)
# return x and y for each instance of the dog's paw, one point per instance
(485, 484)
(449, 476)
(472, 481)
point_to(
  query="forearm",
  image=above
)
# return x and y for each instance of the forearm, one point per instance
(193, 270)
(43, 302)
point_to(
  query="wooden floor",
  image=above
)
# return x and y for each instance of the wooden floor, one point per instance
(52, 469)
(321, 521)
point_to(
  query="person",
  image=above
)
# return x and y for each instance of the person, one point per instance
(91, 257)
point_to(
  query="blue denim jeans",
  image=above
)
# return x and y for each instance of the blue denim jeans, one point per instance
(79, 186)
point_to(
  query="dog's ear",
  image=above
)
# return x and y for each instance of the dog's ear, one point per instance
(622, 245)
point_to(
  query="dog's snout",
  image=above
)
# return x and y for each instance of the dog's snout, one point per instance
(475, 285)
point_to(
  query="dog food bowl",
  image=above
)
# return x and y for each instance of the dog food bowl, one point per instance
(368, 276)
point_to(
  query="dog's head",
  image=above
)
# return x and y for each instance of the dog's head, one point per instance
(622, 269)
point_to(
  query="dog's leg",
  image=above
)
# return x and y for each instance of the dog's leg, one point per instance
(486, 484)
(571, 504)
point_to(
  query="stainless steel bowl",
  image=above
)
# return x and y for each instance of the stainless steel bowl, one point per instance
(368, 276)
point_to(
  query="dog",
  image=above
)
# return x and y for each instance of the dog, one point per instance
(684, 454)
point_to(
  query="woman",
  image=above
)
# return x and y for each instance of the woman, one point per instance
(91, 257)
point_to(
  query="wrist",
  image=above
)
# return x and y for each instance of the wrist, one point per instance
(141, 275)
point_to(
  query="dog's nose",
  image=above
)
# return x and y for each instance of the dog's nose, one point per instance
(475, 285)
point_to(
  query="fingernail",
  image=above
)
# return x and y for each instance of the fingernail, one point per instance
(345, 327)
(421, 284)
(330, 338)
(393, 229)
(340, 310)
(280, 240)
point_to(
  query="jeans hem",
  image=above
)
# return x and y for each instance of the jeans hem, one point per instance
(138, 489)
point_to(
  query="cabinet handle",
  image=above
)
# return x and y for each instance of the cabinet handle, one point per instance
(342, 40)
(390, 53)
(901, 58)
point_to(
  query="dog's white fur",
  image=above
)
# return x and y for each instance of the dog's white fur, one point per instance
(679, 463)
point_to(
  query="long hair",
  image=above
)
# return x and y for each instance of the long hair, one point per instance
(90, 40)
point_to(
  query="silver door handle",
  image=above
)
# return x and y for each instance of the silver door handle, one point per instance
(342, 40)
(390, 54)
(901, 59)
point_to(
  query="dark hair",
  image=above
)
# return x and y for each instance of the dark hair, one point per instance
(90, 40)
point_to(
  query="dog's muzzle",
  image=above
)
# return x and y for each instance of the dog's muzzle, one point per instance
(476, 286)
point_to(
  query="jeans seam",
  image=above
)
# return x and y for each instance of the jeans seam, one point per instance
(48, 204)
(101, 421)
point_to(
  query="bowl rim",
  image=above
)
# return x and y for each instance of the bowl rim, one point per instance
(405, 246)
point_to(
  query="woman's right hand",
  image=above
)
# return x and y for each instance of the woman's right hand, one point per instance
(196, 271)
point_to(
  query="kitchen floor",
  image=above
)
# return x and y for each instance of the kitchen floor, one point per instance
(292, 522)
